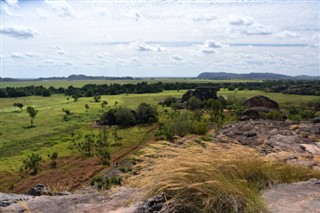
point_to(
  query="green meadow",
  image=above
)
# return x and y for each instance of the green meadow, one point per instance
(51, 133)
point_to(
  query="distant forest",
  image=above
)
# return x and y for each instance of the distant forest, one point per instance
(282, 86)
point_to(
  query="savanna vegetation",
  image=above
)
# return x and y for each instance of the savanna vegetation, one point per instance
(90, 128)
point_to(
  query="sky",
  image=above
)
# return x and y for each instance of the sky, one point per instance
(158, 38)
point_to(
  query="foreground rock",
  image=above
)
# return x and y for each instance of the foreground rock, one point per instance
(8, 199)
(41, 189)
(120, 200)
(296, 197)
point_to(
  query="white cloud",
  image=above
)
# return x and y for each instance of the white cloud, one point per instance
(269, 54)
(205, 18)
(68, 63)
(17, 55)
(25, 55)
(136, 16)
(177, 58)
(50, 61)
(143, 47)
(103, 13)
(248, 26)
(100, 55)
(241, 21)
(59, 50)
(213, 44)
(210, 46)
(62, 8)
(19, 32)
(208, 51)
(286, 34)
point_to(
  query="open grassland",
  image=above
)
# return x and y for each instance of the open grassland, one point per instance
(278, 97)
(52, 133)
(80, 83)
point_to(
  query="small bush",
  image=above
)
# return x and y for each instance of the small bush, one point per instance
(200, 128)
(32, 164)
(106, 183)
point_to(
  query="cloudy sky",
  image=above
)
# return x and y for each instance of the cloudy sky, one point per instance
(44, 38)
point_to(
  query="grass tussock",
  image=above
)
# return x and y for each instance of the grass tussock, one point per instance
(218, 178)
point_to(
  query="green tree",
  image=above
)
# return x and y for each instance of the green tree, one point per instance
(19, 105)
(87, 107)
(32, 113)
(194, 103)
(146, 114)
(86, 145)
(104, 156)
(67, 114)
(32, 164)
(116, 137)
(97, 98)
(75, 98)
(46, 93)
(125, 117)
(104, 104)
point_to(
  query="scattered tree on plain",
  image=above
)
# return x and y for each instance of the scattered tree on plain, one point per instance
(19, 105)
(32, 113)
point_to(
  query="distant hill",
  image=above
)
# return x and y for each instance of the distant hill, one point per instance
(253, 76)
(70, 78)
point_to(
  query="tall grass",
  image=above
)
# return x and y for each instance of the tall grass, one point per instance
(214, 179)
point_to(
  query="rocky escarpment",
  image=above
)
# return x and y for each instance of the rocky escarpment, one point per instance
(291, 142)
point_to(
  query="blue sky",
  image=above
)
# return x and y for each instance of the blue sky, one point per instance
(158, 38)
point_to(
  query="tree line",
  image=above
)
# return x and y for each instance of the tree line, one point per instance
(89, 90)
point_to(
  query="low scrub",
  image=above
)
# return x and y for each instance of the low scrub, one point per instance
(218, 178)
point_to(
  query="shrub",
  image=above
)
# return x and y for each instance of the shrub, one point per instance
(31, 164)
(53, 157)
(106, 183)
(194, 103)
(146, 114)
(200, 128)
(272, 115)
(169, 100)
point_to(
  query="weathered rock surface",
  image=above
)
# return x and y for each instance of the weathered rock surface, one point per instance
(41, 189)
(297, 197)
(261, 101)
(155, 204)
(294, 143)
(8, 199)
(260, 104)
(119, 200)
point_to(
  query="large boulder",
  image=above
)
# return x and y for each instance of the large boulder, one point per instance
(202, 93)
(261, 101)
(261, 107)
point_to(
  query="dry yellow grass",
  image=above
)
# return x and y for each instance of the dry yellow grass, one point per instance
(215, 178)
